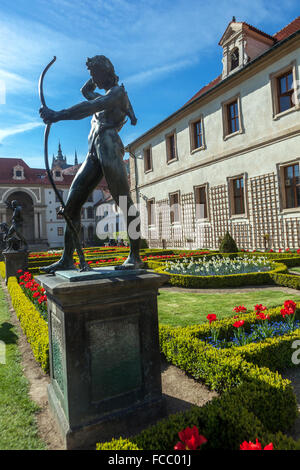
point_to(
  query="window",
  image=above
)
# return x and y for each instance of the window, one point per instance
(58, 216)
(196, 134)
(57, 174)
(151, 211)
(233, 117)
(292, 186)
(238, 196)
(201, 202)
(284, 95)
(90, 213)
(147, 159)
(231, 114)
(174, 207)
(61, 194)
(18, 172)
(171, 147)
(60, 231)
(285, 91)
(234, 59)
(90, 233)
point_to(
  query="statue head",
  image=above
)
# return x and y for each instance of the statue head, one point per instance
(102, 71)
(14, 204)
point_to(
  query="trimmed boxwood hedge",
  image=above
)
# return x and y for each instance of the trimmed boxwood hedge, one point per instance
(287, 280)
(255, 402)
(34, 326)
(214, 282)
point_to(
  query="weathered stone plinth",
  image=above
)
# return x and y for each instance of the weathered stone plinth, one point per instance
(15, 260)
(104, 353)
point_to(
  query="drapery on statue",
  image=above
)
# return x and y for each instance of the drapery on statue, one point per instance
(105, 152)
(13, 236)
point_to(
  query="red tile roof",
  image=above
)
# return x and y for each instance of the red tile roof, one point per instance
(32, 175)
(291, 28)
(279, 36)
(205, 88)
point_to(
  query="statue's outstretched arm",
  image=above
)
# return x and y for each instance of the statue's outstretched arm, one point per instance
(84, 109)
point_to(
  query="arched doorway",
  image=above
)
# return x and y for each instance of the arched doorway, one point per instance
(25, 201)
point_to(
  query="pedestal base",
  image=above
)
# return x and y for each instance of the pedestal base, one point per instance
(124, 423)
(15, 260)
(104, 353)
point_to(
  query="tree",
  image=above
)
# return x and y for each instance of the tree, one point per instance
(228, 244)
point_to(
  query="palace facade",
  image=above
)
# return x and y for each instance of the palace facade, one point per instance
(228, 160)
(43, 227)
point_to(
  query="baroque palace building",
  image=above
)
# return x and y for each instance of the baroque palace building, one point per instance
(43, 227)
(228, 160)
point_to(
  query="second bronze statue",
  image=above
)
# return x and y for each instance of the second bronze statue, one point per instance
(105, 153)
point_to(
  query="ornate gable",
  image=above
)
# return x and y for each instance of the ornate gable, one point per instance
(241, 43)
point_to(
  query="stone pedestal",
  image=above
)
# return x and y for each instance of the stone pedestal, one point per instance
(15, 260)
(104, 353)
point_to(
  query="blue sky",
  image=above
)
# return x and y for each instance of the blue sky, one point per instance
(164, 51)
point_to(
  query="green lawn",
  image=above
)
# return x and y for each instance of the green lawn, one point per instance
(296, 268)
(182, 309)
(18, 430)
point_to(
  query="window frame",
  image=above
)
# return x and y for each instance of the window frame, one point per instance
(148, 149)
(151, 217)
(274, 85)
(232, 197)
(281, 167)
(167, 138)
(192, 123)
(289, 93)
(172, 220)
(196, 199)
(225, 116)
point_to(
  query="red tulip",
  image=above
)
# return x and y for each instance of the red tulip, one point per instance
(239, 323)
(257, 446)
(211, 317)
(191, 439)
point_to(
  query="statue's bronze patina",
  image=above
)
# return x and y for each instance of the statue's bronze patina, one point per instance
(13, 236)
(105, 153)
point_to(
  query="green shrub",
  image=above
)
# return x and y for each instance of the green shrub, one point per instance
(2, 270)
(33, 325)
(228, 244)
(215, 282)
(287, 280)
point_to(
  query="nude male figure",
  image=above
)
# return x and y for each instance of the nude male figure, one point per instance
(105, 152)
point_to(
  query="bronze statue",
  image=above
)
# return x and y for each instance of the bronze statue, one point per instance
(13, 236)
(105, 153)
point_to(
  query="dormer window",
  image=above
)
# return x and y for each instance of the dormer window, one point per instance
(57, 174)
(234, 59)
(18, 172)
(240, 42)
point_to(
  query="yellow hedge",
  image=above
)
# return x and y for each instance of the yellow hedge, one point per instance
(33, 325)
(2, 269)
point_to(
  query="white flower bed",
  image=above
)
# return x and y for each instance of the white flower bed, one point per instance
(218, 266)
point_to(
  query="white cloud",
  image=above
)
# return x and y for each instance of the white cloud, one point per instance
(18, 129)
(14, 82)
(156, 72)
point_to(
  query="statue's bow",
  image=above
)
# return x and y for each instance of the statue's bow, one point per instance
(83, 265)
